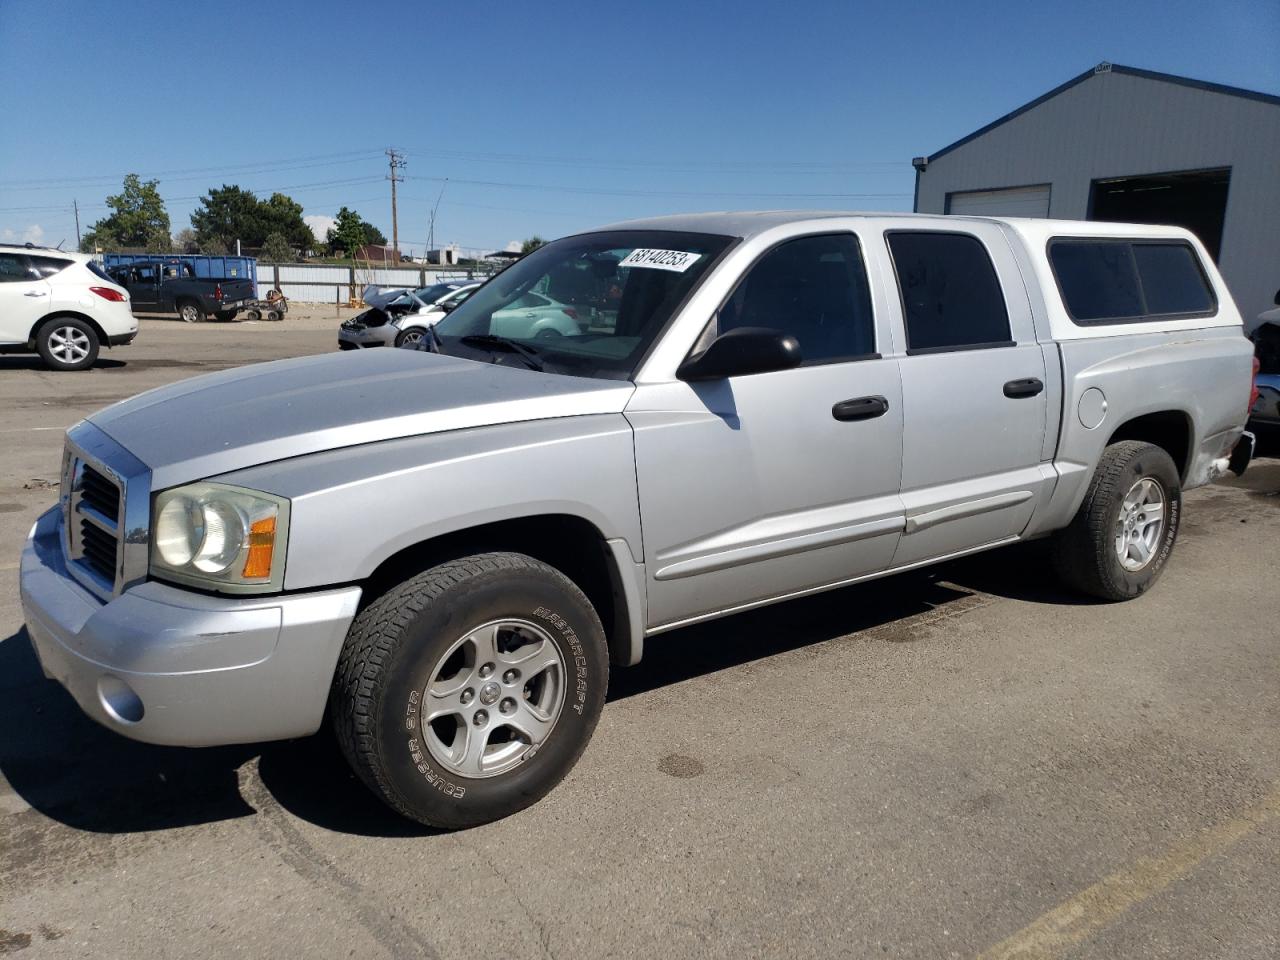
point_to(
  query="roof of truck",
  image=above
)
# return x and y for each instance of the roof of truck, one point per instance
(749, 223)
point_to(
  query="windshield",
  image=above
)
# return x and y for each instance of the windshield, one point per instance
(588, 306)
(434, 292)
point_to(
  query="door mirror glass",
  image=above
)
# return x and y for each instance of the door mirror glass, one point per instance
(742, 351)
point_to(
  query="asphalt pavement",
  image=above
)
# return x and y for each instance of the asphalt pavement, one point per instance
(958, 762)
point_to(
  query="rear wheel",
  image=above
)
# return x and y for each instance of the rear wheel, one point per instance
(253, 315)
(68, 344)
(273, 315)
(191, 312)
(467, 693)
(1122, 535)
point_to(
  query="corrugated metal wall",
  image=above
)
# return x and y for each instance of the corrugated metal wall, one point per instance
(1116, 125)
(320, 283)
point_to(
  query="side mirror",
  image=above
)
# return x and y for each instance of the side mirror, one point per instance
(743, 351)
(1278, 298)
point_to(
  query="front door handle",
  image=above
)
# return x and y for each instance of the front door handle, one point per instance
(35, 293)
(862, 408)
(1028, 387)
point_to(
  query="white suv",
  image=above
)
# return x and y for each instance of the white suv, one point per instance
(61, 305)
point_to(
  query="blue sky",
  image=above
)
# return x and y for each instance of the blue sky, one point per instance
(550, 117)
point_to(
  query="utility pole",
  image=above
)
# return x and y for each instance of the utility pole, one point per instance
(76, 207)
(431, 227)
(397, 163)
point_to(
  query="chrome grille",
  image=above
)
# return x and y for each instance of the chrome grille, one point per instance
(92, 517)
(106, 512)
(99, 493)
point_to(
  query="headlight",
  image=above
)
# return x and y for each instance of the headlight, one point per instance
(217, 536)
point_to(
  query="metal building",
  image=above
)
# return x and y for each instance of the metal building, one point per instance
(1117, 143)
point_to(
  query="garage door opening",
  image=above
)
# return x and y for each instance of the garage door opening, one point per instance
(1195, 199)
(1030, 201)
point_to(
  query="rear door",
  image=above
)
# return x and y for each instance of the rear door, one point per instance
(24, 297)
(144, 288)
(973, 385)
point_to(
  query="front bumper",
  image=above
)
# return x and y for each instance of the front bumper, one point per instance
(171, 666)
(360, 337)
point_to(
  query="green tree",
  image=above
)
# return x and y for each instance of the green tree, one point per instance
(137, 219)
(372, 234)
(283, 215)
(184, 241)
(227, 215)
(532, 244)
(277, 249)
(348, 233)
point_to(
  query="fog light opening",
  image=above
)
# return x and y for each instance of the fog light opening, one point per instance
(119, 700)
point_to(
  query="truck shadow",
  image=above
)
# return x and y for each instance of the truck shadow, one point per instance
(90, 779)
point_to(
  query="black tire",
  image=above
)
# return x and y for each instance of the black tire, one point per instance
(273, 315)
(67, 343)
(1086, 554)
(191, 312)
(227, 316)
(253, 315)
(396, 647)
(411, 338)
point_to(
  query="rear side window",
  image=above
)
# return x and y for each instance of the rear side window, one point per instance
(951, 296)
(1107, 281)
(48, 266)
(96, 269)
(14, 269)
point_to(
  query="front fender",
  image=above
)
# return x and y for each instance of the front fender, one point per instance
(353, 508)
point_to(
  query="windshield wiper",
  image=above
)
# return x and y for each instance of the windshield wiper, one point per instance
(527, 354)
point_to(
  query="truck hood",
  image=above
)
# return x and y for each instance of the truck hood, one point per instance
(238, 418)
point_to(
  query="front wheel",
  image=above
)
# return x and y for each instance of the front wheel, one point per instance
(410, 338)
(68, 344)
(468, 692)
(1121, 537)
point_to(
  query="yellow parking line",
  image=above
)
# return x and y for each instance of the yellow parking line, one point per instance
(1100, 905)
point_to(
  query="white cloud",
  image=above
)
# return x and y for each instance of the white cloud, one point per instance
(320, 224)
(513, 246)
(34, 233)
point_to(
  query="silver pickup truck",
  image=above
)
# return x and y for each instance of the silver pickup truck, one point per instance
(445, 548)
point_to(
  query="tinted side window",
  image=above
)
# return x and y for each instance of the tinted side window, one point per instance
(14, 269)
(1122, 280)
(1172, 280)
(951, 296)
(814, 288)
(1098, 280)
(48, 266)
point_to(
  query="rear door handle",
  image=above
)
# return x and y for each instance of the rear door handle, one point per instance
(1028, 387)
(862, 408)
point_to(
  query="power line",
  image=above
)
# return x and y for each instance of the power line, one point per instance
(273, 166)
(592, 191)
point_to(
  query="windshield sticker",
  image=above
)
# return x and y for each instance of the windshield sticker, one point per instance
(675, 260)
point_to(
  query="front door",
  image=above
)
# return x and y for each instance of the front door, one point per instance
(24, 297)
(756, 487)
(974, 397)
